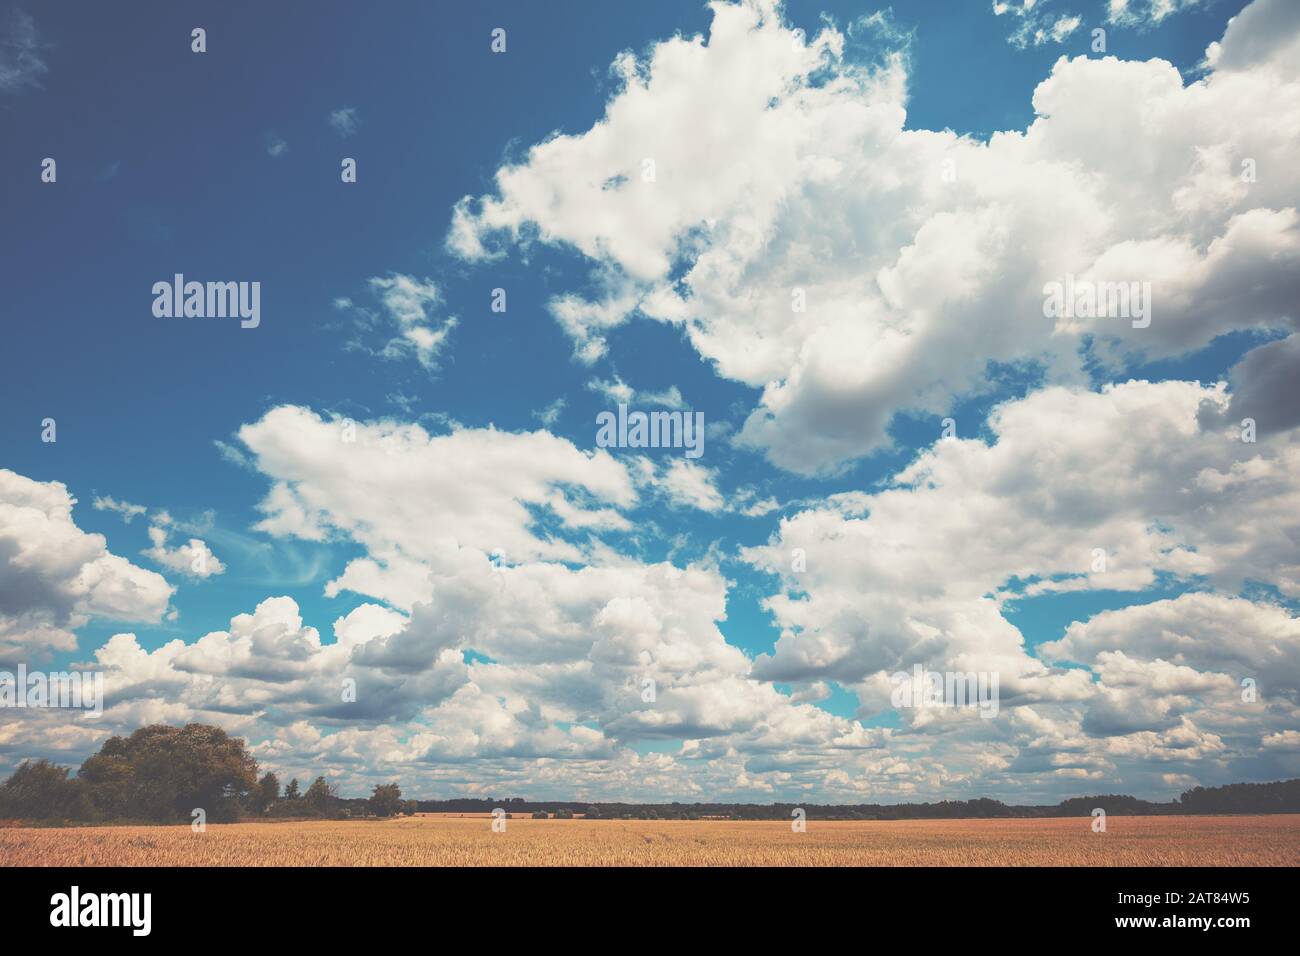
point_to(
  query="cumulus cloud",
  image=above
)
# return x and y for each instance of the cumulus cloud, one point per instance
(409, 496)
(1078, 490)
(563, 658)
(1264, 35)
(690, 484)
(448, 523)
(194, 557)
(512, 633)
(1203, 633)
(863, 268)
(271, 667)
(54, 577)
(1265, 389)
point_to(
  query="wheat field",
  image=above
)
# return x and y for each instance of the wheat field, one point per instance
(428, 840)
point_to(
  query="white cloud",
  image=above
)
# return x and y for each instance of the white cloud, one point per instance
(760, 508)
(193, 558)
(409, 306)
(510, 549)
(411, 496)
(619, 392)
(691, 484)
(345, 120)
(615, 391)
(1264, 35)
(269, 666)
(21, 61)
(1207, 632)
(128, 511)
(1144, 13)
(1288, 740)
(917, 573)
(1035, 24)
(549, 415)
(919, 256)
(54, 577)
(276, 146)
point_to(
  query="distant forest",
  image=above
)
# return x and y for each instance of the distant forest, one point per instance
(164, 774)
(1280, 797)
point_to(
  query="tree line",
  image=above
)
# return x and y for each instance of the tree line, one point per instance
(1279, 797)
(162, 774)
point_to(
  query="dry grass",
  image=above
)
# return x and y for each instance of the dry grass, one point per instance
(454, 841)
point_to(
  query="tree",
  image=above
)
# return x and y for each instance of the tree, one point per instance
(41, 790)
(320, 797)
(592, 813)
(107, 777)
(291, 791)
(163, 773)
(267, 792)
(386, 800)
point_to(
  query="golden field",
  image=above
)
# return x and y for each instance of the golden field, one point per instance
(429, 840)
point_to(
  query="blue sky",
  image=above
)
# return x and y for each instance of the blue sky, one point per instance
(165, 165)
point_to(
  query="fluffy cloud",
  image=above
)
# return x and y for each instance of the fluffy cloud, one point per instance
(692, 485)
(128, 511)
(1078, 490)
(451, 526)
(1203, 633)
(863, 268)
(812, 248)
(54, 577)
(573, 666)
(562, 656)
(1265, 389)
(194, 557)
(409, 496)
(1262, 35)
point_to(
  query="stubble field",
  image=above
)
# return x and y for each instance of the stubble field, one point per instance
(429, 840)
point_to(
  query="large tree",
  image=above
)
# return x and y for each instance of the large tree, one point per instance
(164, 773)
(386, 801)
(320, 797)
(267, 792)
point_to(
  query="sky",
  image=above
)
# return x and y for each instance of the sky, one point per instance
(378, 534)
